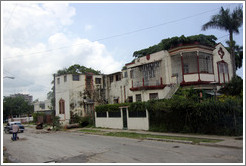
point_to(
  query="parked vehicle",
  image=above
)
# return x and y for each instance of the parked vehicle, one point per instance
(8, 127)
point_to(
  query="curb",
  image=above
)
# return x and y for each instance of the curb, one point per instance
(218, 145)
(169, 140)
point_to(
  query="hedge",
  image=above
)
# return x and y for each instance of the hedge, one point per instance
(186, 114)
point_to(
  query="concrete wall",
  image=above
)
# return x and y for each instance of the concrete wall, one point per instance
(117, 122)
(138, 123)
(108, 122)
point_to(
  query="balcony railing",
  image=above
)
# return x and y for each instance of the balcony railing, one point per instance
(147, 84)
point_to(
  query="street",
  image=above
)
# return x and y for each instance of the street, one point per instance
(40, 146)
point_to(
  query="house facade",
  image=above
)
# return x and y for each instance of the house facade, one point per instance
(42, 106)
(77, 94)
(154, 76)
(158, 75)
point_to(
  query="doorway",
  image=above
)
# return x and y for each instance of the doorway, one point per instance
(124, 118)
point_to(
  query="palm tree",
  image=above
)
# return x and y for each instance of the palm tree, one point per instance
(229, 22)
(238, 53)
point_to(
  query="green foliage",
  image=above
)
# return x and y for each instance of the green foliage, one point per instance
(36, 115)
(234, 87)
(181, 114)
(16, 106)
(110, 107)
(238, 53)
(56, 123)
(77, 69)
(86, 121)
(166, 44)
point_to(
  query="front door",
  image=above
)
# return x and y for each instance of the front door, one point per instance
(124, 118)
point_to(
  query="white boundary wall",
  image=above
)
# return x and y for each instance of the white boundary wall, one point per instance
(117, 122)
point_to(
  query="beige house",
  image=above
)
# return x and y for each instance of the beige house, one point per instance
(154, 76)
(158, 75)
(77, 94)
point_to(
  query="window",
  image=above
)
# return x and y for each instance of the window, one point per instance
(65, 78)
(131, 73)
(114, 114)
(98, 80)
(125, 74)
(61, 106)
(111, 79)
(130, 99)
(101, 114)
(153, 96)
(75, 77)
(118, 77)
(205, 63)
(138, 98)
(190, 62)
(116, 100)
(58, 80)
(186, 68)
(42, 105)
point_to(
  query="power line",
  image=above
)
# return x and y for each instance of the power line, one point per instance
(24, 79)
(119, 35)
(10, 17)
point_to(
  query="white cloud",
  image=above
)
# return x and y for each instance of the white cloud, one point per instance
(35, 45)
(28, 23)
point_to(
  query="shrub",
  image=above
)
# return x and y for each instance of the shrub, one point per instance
(86, 121)
(56, 123)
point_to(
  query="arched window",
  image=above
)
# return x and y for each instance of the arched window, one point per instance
(61, 106)
(223, 73)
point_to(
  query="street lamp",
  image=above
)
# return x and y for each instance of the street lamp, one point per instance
(9, 77)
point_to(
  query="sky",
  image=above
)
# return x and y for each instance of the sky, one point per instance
(39, 38)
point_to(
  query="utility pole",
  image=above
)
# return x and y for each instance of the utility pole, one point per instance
(54, 106)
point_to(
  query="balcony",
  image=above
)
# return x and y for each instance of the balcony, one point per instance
(145, 84)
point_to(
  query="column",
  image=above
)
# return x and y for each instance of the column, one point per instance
(182, 64)
(198, 68)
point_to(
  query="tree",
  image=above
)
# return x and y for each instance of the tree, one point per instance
(16, 106)
(238, 54)
(229, 22)
(234, 87)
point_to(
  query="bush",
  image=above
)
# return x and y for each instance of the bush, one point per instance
(56, 123)
(208, 117)
(86, 121)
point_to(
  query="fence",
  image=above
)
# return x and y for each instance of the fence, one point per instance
(123, 118)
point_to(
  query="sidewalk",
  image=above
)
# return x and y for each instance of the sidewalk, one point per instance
(227, 141)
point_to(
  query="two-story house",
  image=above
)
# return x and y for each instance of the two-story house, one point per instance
(154, 76)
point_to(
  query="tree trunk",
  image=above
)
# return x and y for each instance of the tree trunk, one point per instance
(232, 52)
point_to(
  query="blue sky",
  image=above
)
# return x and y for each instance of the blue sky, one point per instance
(40, 38)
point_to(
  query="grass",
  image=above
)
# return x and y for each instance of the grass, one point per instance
(145, 136)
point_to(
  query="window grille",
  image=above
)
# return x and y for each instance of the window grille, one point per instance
(176, 65)
(205, 63)
(153, 96)
(114, 114)
(75, 77)
(137, 114)
(101, 114)
(190, 60)
(138, 97)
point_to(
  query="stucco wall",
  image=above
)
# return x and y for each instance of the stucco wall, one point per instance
(117, 123)
(138, 123)
(226, 58)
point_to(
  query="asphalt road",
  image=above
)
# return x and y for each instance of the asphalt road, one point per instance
(36, 146)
